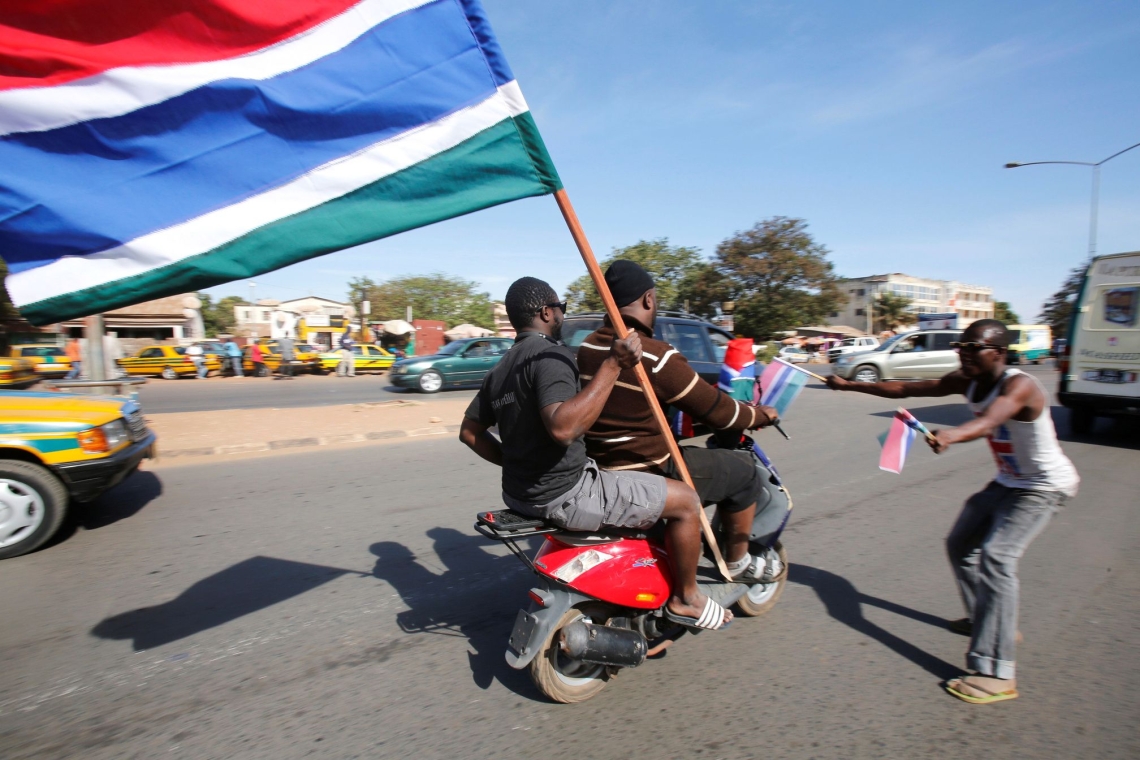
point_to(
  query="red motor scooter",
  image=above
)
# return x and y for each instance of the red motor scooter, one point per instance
(599, 605)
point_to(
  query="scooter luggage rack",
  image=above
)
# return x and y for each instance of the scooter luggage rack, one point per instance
(509, 526)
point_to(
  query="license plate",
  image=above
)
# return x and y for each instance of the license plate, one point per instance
(525, 624)
(1115, 376)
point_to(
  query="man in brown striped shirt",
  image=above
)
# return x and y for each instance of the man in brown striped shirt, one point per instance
(626, 437)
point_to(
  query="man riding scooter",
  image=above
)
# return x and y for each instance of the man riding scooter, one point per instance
(626, 438)
(535, 397)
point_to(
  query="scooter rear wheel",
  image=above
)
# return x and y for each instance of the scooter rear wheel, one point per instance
(560, 678)
(763, 596)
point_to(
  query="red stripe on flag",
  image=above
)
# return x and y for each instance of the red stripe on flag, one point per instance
(48, 42)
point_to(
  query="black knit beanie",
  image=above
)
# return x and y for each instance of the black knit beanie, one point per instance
(628, 281)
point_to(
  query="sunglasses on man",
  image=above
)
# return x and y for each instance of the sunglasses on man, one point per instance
(971, 347)
(560, 305)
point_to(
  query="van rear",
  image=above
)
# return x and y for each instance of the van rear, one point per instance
(1100, 371)
(1029, 344)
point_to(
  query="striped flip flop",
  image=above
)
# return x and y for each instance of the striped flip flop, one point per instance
(711, 619)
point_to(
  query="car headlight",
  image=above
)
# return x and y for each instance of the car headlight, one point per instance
(843, 360)
(116, 433)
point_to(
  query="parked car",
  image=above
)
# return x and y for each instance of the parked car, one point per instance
(305, 357)
(852, 346)
(367, 359)
(700, 341)
(16, 373)
(794, 355)
(168, 362)
(910, 356)
(47, 359)
(459, 363)
(57, 449)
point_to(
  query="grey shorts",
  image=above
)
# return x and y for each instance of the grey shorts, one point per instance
(602, 498)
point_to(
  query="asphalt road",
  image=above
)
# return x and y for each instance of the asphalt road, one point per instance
(337, 604)
(212, 394)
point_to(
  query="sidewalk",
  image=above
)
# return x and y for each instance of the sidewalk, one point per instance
(242, 431)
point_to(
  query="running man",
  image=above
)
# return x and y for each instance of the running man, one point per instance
(1034, 477)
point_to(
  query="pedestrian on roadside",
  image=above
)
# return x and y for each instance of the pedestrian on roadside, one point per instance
(198, 356)
(233, 353)
(75, 356)
(285, 346)
(257, 358)
(347, 365)
(995, 527)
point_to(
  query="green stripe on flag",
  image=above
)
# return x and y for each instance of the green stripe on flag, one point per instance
(503, 163)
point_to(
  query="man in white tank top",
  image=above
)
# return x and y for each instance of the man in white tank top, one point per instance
(1034, 477)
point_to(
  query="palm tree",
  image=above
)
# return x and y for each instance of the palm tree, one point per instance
(892, 310)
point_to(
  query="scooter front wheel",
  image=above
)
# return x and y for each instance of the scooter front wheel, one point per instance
(763, 596)
(561, 678)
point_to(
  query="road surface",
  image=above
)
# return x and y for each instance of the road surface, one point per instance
(337, 604)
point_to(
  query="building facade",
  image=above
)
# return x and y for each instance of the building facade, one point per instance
(969, 302)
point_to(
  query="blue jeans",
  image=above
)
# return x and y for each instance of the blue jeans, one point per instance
(237, 366)
(203, 370)
(76, 369)
(992, 532)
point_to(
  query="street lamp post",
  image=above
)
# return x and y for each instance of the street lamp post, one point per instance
(1095, 187)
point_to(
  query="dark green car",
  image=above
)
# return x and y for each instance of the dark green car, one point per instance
(459, 363)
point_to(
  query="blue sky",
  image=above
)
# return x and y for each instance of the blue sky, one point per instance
(884, 125)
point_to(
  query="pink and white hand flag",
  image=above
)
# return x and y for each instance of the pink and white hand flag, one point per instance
(897, 441)
(781, 383)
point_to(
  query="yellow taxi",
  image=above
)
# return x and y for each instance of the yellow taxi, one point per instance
(367, 359)
(57, 449)
(305, 357)
(47, 359)
(168, 362)
(16, 373)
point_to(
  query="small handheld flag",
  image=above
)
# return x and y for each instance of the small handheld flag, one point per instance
(781, 383)
(898, 440)
(738, 372)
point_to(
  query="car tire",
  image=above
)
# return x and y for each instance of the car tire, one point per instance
(865, 373)
(430, 381)
(33, 505)
(168, 373)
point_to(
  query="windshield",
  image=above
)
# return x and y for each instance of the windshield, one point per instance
(305, 348)
(452, 348)
(886, 346)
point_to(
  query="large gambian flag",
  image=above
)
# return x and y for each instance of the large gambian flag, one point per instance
(154, 147)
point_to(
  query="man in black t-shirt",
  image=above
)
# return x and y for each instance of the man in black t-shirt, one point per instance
(535, 397)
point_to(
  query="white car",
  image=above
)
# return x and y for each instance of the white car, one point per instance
(794, 355)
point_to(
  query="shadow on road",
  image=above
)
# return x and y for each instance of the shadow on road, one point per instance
(946, 415)
(477, 597)
(844, 602)
(239, 590)
(123, 501)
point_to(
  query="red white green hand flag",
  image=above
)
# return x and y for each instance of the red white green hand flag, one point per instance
(897, 441)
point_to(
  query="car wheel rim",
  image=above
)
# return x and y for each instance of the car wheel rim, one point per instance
(431, 382)
(21, 511)
(866, 376)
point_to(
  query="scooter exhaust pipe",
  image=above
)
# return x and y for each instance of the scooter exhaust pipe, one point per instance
(603, 645)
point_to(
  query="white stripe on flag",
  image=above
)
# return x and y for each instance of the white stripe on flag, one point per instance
(119, 91)
(323, 184)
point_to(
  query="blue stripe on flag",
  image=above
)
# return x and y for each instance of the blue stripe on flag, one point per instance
(727, 375)
(783, 375)
(790, 390)
(482, 29)
(96, 185)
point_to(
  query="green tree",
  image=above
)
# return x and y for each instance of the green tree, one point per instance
(891, 311)
(1057, 311)
(1003, 313)
(218, 318)
(668, 265)
(451, 300)
(778, 276)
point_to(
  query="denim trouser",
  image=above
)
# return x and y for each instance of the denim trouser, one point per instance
(347, 365)
(76, 371)
(985, 544)
(203, 370)
(237, 366)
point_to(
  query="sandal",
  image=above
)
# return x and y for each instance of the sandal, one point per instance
(711, 619)
(767, 569)
(968, 689)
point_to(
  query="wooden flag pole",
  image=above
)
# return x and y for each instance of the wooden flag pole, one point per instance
(642, 378)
